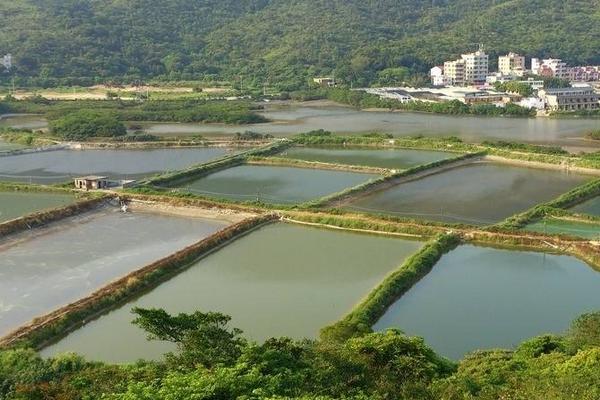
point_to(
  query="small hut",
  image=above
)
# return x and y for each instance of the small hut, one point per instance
(91, 182)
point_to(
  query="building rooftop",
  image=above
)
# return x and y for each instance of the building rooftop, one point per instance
(92, 178)
(586, 88)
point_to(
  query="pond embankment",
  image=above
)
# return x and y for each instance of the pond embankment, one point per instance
(41, 218)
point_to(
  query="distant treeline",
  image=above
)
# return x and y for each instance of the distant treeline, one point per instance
(230, 112)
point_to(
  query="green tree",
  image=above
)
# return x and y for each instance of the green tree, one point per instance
(202, 338)
(84, 124)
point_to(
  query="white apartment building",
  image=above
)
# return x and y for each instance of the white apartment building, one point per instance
(554, 67)
(511, 64)
(454, 71)
(476, 66)
(438, 78)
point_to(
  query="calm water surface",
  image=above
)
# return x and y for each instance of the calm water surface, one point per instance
(61, 165)
(479, 193)
(275, 184)
(21, 121)
(50, 267)
(16, 204)
(591, 206)
(296, 118)
(384, 158)
(282, 280)
(480, 298)
(5, 146)
(573, 228)
(290, 119)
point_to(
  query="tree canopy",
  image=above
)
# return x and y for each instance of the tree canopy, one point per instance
(217, 364)
(280, 42)
(84, 124)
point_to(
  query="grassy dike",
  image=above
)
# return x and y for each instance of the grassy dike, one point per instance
(296, 163)
(58, 323)
(389, 180)
(366, 313)
(204, 169)
(578, 195)
(41, 218)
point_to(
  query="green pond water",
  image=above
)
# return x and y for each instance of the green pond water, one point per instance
(481, 298)
(479, 193)
(62, 165)
(560, 226)
(17, 204)
(591, 206)
(46, 268)
(274, 184)
(282, 280)
(384, 158)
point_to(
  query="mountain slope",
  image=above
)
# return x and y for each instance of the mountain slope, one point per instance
(283, 41)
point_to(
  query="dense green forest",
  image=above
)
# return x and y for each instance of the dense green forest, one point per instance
(213, 361)
(280, 42)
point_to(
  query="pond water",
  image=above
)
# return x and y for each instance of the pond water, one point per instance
(23, 121)
(383, 158)
(303, 117)
(282, 280)
(46, 268)
(5, 146)
(17, 204)
(591, 206)
(480, 193)
(274, 184)
(566, 227)
(481, 298)
(62, 165)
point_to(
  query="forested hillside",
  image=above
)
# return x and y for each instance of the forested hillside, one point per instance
(283, 42)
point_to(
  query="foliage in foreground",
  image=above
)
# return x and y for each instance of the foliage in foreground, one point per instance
(214, 362)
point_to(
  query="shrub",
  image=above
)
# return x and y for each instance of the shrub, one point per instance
(88, 123)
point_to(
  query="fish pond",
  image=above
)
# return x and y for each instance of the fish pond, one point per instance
(382, 158)
(566, 227)
(60, 165)
(49, 267)
(591, 206)
(281, 280)
(18, 203)
(479, 193)
(278, 185)
(481, 298)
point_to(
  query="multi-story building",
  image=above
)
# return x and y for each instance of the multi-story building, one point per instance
(570, 99)
(476, 67)
(438, 78)
(584, 74)
(553, 67)
(454, 71)
(511, 64)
